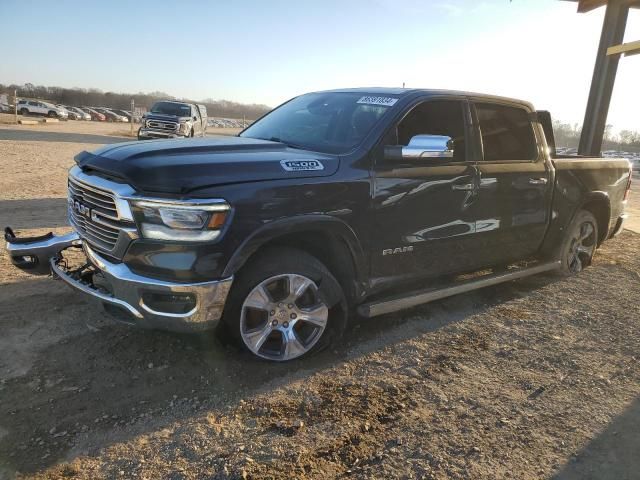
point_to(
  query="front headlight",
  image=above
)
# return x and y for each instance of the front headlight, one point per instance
(180, 221)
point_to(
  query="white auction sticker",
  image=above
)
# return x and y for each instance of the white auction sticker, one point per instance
(382, 101)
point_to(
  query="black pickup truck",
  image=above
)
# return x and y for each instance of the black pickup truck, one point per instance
(337, 202)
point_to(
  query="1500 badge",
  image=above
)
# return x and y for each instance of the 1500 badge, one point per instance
(301, 165)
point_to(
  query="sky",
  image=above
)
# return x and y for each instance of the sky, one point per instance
(257, 51)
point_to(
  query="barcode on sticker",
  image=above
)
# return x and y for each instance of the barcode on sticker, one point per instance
(384, 101)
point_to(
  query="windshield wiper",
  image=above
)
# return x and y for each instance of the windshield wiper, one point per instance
(288, 144)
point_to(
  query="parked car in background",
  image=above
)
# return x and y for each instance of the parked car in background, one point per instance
(123, 113)
(71, 115)
(4, 108)
(37, 107)
(95, 115)
(111, 116)
(82, 113)
(169, 119)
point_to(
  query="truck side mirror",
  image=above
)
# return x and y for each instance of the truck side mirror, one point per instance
(421, 147)
(195, 118)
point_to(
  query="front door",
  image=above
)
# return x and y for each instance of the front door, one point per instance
(423, 216)
(514, 200)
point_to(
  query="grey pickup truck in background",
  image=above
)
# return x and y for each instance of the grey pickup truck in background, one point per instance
(169, 119)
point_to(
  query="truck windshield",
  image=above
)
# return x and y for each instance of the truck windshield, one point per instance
(323, 122)
(168, 108)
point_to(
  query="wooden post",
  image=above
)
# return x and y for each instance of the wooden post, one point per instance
(15, 105)
(133, 106)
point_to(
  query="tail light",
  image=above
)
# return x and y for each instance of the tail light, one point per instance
(626, 193)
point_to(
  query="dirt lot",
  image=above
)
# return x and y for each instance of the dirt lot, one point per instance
(533, 379)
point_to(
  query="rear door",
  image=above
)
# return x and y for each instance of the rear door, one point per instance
(514, 200)
(423, 217)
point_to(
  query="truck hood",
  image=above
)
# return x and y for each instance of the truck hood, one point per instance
(164, 118)
(181, 166)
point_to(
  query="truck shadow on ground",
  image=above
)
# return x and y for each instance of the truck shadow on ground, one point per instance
(36, 136)
(612, 455)
(108, 383)
(34, 213)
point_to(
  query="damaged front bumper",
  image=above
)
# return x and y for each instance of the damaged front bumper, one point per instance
(132, 298)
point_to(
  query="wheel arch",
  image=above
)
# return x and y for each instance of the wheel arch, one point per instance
(327, 238)
(599, 204)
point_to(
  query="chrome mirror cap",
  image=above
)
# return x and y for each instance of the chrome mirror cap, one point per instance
(422, 146)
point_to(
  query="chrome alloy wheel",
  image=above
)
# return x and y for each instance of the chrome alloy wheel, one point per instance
(283, 317)
(582, 247)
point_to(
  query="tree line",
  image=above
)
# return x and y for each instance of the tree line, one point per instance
(568, 135)
(78, 97)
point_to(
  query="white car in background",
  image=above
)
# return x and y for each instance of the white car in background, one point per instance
(83, 115)
(75, 114)
(37, 107)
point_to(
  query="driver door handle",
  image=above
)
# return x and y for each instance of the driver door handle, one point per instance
(467, 187)
(537, 181)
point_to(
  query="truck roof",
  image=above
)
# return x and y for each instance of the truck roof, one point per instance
(405, 92)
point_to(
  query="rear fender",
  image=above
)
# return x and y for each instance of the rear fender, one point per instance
(602, 212)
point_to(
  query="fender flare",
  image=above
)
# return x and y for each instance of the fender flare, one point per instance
(302, 223)
(601, 197)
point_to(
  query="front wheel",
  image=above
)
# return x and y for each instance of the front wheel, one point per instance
(52, 114)
(285, 305)
(579, 244)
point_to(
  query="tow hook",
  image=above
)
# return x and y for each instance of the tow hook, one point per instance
(32, 254)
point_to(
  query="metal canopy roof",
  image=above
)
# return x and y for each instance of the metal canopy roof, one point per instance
(588, 5)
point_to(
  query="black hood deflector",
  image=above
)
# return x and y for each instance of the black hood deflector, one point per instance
(183, 165)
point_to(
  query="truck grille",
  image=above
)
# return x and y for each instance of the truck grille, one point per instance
(93, 213)
(166, 126)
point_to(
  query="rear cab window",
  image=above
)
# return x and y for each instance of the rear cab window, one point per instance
(506, 132)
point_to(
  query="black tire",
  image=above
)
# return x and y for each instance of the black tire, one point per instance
(276, 262)
(191, 134)
(24, 112)
(139, 137)
(580, 243)
(52, 114)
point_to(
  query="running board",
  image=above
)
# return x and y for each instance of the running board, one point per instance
(394, 304)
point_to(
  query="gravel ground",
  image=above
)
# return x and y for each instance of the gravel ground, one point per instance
(533, 379)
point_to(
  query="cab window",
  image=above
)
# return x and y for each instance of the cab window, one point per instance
(436, 117)
(507, 133)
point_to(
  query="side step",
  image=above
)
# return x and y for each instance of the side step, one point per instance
(412, 299)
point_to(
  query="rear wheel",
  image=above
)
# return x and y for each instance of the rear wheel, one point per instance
(285, 305)
(52, 114)
(24, 112)
(580, 244)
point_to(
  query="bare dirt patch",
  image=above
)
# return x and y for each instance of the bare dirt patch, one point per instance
(532, 379)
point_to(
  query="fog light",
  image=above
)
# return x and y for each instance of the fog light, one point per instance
(169, 302)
